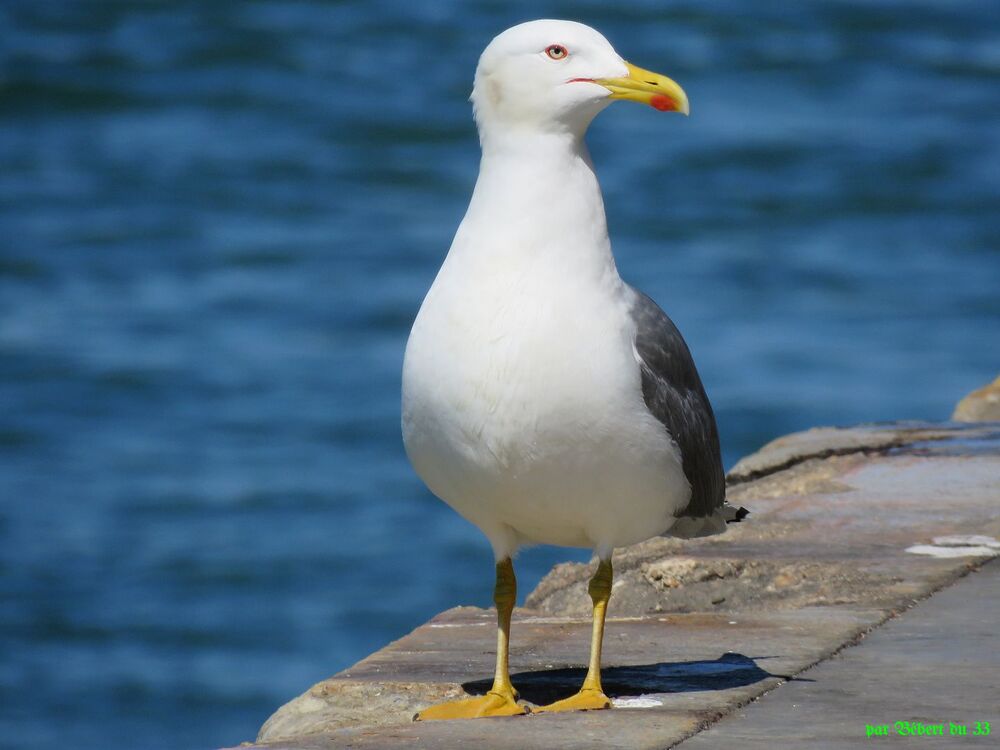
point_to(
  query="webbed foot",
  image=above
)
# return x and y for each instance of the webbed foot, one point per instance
(491, 704)
(588, 699)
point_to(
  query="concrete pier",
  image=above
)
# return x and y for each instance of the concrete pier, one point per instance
(858, 594)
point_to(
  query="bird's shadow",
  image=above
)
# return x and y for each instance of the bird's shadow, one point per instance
(546, 685)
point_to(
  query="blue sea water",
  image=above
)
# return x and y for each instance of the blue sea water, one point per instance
(218, 219)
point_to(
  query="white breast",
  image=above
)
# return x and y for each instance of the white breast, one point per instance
(522, 409)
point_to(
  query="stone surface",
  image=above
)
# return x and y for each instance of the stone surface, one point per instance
(696, 628)
(334, 704)
(982, 405)
(823, 442)
(937, 665)
(691, 668)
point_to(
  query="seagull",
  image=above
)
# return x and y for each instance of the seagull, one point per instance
(543, 398)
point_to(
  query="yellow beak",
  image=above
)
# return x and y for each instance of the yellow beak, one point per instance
(659, 92)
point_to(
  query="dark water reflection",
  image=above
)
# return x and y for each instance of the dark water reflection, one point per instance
(218, 220)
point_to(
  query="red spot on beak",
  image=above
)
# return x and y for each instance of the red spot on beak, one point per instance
(662, 103)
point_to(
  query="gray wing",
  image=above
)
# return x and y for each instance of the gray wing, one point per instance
(674, 394)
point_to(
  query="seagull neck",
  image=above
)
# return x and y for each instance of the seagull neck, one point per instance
(510, 141)
(514, 153)
(537, 196)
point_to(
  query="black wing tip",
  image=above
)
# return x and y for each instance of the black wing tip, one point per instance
(740, 514)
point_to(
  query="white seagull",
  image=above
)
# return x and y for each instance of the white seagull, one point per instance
(544, 399)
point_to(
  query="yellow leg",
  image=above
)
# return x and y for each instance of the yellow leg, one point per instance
(591, 695)
(502, 698)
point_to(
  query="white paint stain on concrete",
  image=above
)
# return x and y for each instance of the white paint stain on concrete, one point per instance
(641, 701)
(959, 545)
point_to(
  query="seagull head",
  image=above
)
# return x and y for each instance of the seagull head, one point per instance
(557, 76)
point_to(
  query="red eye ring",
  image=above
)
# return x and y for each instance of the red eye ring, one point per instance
(557, 52)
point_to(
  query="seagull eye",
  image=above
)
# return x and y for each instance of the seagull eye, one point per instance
(556, 51)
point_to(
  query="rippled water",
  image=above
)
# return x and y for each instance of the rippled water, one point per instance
(218, 220)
